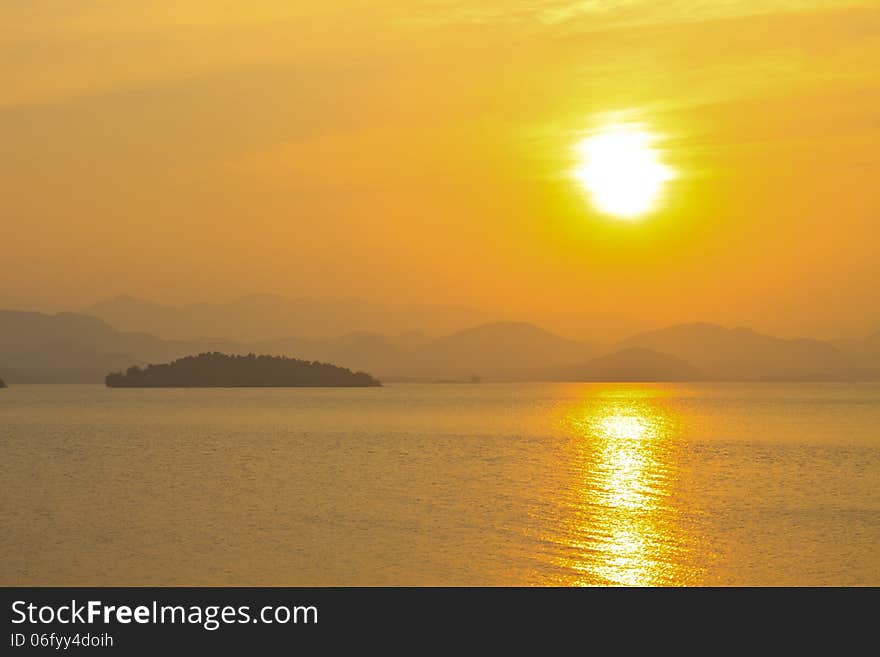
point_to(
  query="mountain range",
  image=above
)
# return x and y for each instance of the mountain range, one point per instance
(82, 348)
(74, 348)
(266, 317)
(743, 354)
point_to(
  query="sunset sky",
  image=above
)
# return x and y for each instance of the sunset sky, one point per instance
(422, 152)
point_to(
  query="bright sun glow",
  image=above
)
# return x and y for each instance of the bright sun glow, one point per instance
(622, 171)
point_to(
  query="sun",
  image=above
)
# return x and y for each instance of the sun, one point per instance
(622, 171)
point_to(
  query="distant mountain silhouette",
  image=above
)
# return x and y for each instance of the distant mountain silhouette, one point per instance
(864, 354)
(268, 317)
(222, 370)
(71, 348)
(371, 352)
(743, 354)
(632, 364)
(499, 350)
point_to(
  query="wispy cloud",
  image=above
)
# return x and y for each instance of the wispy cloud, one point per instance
(608, 13)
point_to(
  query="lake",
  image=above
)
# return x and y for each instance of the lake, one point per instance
(442, 484)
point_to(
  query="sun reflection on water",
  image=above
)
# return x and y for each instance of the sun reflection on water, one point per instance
(621, 531)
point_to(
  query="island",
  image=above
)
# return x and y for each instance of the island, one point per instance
(218, 370)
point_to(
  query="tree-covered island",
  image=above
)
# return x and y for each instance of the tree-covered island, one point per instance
(217, 370)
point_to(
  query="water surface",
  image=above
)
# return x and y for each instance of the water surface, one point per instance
(484, 484)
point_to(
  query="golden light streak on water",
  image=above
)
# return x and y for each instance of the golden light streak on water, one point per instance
(625, 530)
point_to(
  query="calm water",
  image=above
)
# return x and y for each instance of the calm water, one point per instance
(531, 484)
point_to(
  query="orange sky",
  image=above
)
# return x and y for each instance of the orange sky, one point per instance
(408, 151)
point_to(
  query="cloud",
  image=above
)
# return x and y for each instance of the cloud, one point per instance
(55, 49)
(604, 14)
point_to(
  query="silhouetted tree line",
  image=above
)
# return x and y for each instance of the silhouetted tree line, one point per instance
(222, 370)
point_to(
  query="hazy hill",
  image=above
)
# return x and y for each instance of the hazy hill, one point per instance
(216, 370)
(269, 317)
(371, 352)
(24, 329)
(71, 348)
(35, 347)
(68, 347)
(743, 354)
(864, 354)
(631, 364)
(61, 362)
(500, 350)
